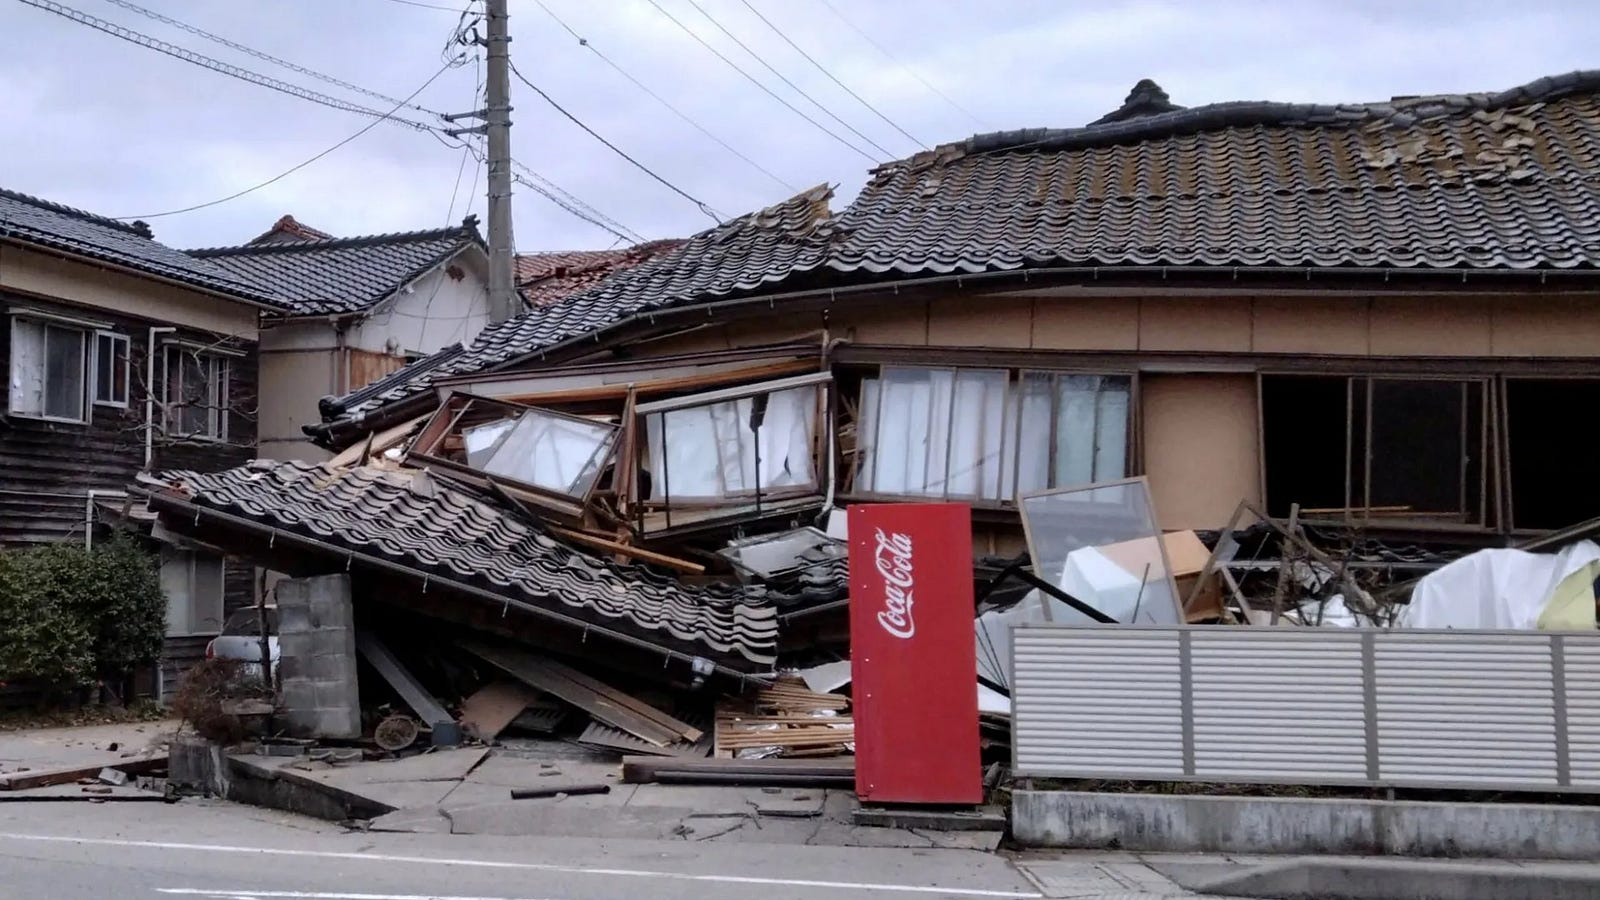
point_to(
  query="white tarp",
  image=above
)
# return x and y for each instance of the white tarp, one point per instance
(1507, 589)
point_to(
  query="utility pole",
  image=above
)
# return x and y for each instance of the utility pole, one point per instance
(503, 302)
(496, 115)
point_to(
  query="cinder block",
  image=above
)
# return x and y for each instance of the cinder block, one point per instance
(297, 694)
(338, 723)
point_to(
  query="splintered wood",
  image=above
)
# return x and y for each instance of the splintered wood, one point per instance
(786, 719)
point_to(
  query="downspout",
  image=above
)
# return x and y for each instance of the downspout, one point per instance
(341, 358)
(88, 512)
(150, 392)
(832, 424)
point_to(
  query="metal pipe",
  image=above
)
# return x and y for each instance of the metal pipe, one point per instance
(150, 391)
(88, 512)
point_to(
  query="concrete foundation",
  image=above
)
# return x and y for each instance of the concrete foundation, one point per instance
(1271, 825)
(317, 638)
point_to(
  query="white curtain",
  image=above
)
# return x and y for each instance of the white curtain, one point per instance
(27, 367)
(552, 452)
(711, 452)
(934, 433)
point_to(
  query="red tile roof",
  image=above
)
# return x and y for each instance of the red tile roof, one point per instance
(551, 276)
(289, 231)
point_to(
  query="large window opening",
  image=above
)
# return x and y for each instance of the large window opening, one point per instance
(1376, 448)
(1553, 484)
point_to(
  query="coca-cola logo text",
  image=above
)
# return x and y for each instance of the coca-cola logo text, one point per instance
(893, 559)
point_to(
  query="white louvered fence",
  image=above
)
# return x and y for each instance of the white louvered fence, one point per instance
(1459, 709)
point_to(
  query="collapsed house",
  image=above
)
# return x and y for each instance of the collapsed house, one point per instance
(1332, 339)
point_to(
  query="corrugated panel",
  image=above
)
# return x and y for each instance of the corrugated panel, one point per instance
(1279, 703)
(1092, 702)
(1583, 709)
(1456, 708)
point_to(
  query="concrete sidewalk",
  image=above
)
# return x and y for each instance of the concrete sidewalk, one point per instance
(468, 791)
(1109, 875)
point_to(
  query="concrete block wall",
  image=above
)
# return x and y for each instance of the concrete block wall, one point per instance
(317, 672)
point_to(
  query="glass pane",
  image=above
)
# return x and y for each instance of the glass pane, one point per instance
(1036, 395)
(105, 355)
(728, 449)
(1111, 430)
(481, 440)
(683, 455)
(975, 433)
(207, 595)
(27, 367)
(119, 372)
(1076, 429)
(866, 434)
(898, 456)
(1100, 545)
(63, 373)
(552, 452)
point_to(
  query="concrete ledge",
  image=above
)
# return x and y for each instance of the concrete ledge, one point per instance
(1388, 879)
(1272, 825)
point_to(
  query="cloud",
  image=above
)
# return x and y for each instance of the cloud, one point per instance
(100, 123)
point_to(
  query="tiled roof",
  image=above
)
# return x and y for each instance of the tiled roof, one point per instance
(552, 276)
(289, 230)
(414, 520)
(1508, 180)
(342, 275)
(30, 220)
(1494, 181)
(739, 255)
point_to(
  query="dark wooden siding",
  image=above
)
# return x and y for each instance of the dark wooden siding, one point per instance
(47, 468)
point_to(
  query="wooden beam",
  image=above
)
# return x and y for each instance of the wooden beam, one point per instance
(639, 553)
(37, 778)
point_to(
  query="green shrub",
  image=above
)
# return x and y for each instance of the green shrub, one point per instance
(72, 616)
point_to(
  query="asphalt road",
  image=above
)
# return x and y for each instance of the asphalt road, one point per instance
(217, 851)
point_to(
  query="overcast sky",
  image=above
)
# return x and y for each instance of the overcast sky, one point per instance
(93, 121)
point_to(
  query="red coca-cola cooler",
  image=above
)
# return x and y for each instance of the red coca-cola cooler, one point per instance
(912, 654)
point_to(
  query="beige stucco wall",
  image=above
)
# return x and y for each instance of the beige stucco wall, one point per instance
(1356, 325)
(1200, 449)
(298, 367)
(26, 271)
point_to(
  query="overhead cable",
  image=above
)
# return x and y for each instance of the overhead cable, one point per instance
(589, 45)
(758, 83)
(189, 56)
(267, 57)
(907, 68)
(783, 78)
(418, 3)
(290, 171)
(713, 214)
(823, 69)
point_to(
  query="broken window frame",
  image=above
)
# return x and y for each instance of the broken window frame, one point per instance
(447, 421)
(1360, 390)
(1008, 478)
(1505, 441)
(757, 499)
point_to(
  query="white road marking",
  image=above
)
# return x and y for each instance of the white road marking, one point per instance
(537, 867)
(212, 894)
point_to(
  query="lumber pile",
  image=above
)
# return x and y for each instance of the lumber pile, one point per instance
(784, 720)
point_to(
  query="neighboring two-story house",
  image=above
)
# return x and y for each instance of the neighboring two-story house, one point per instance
(121, 355)
(357, 309)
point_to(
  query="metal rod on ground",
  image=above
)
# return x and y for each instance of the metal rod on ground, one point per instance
(573, 790)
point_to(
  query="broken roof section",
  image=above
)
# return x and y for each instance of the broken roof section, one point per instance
(323, 276)
(552, 276)
(1498, 181)
(418, 527)
(737, 256)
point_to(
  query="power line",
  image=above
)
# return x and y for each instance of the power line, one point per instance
(757, 82)
(421, 5)
(896, 60)
(189, 56)
(781, 77)
(287, 172)
(251, 51)
(592, 213)
(586, 44)
(820, 68)
(715, 216)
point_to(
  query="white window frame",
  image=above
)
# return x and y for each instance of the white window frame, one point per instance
(127, 368)
(217, 388)
(179, 566)
(83, 331)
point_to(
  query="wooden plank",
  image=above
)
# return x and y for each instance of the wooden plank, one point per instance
(679, 727)
(599, 703)
(37, 778)
(492, 707)
(835, 771)
(404, 683)
(638, 553)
